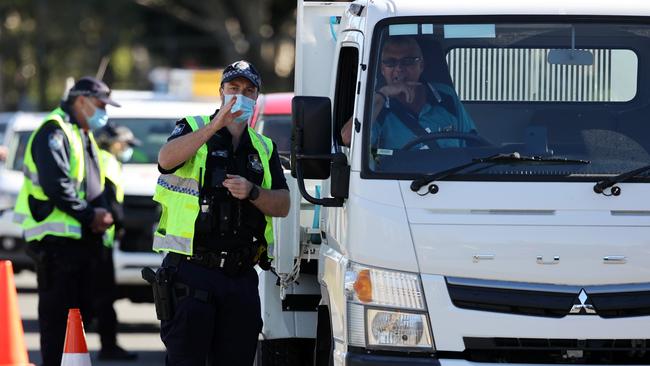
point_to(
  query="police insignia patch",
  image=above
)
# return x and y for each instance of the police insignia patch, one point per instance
(255, 164)
(178, 129)
(243, 65)
(55, 140)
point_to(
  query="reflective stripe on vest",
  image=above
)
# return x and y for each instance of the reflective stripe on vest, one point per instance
(57, 223)
(178, 195)
(52, 228)
(177, 184)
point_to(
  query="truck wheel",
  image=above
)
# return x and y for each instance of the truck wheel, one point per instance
(285, 352)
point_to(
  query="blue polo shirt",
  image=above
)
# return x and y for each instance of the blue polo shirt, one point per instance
(391, 133)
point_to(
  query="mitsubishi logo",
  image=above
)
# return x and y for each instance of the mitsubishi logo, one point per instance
(583, 305)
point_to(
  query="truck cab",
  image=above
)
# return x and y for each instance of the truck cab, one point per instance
(492, 203)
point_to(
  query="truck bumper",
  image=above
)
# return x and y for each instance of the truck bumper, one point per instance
(357, 359)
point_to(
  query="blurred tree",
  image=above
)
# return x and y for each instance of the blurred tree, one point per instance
(261, 31)
(43, 42)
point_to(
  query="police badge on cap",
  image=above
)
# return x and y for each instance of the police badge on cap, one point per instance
(242, 69)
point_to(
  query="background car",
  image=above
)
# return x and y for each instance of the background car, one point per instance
(17, 127)
(272, 118)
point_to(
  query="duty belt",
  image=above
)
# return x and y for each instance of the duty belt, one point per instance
(229, 261)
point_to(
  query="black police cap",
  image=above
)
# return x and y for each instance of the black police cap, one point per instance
(241, 69)
(91, 87)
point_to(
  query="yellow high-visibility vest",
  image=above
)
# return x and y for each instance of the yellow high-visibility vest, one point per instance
(57, 223)
(178, 194)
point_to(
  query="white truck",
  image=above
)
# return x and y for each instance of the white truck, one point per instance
(524, 238)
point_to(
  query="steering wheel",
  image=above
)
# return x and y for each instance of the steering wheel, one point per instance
(471, 138)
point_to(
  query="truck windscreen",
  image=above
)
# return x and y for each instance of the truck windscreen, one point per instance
(441, 94)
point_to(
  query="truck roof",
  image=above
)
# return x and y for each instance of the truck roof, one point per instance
(510, 7)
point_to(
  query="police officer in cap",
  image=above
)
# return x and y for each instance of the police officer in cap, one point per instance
(221, 183)
(62, 209)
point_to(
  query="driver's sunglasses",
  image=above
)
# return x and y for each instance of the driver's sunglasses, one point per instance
(403, 62)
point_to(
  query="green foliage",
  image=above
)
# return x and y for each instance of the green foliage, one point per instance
(43, 42)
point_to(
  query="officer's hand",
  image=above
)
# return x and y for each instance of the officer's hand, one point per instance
(101, 221)
(238, 186)
(225, 117)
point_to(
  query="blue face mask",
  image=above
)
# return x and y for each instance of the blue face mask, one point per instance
(244, 104)
(98, 119)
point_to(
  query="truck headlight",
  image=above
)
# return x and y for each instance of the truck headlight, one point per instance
(395, 328)
(386, 309)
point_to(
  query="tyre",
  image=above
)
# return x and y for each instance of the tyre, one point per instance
(285, 352)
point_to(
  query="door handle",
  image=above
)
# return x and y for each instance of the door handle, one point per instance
(555, 260)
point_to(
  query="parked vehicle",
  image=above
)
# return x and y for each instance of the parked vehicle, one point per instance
(17, 127)
(523, 239)
(272, 118)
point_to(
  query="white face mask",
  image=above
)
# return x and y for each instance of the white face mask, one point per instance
(125, 155)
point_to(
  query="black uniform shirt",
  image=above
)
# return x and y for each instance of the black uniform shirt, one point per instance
(245, 162)
(51, 153)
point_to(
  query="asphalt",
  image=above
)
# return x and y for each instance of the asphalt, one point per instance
(138, 330)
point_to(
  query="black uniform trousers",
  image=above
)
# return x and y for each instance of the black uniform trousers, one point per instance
(65, 281)
(222, 331)
(105, 295)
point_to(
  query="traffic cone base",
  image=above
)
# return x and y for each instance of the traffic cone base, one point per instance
(12, 338)
(75, 351)
(75, 359)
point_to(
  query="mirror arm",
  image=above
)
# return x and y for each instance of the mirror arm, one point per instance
(325, 202)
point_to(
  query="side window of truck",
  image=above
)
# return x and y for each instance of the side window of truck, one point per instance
(346, 89)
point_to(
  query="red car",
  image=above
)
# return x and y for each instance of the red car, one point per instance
(272, 118)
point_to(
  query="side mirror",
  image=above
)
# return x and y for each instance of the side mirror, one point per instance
(311, 149)
(311, 136)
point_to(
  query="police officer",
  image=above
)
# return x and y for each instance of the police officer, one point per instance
(116, 145)
(221, 183)
(63, 211)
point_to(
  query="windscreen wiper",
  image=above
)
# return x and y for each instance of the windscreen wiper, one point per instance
(609, 182)
(497, 159)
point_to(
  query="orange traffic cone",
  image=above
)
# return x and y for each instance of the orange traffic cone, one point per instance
(12, 340)
(75, 351)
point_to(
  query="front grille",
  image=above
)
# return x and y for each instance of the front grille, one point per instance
(556, 301)
(541, 350)
(141, 216)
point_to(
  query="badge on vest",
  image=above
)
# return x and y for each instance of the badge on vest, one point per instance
(55, 140)
(220, 153)
(178, 129)
(255, 164)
